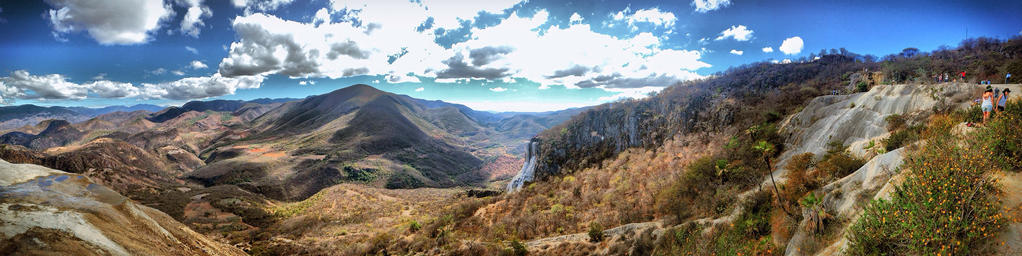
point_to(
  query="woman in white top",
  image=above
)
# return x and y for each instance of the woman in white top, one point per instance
(988, 103)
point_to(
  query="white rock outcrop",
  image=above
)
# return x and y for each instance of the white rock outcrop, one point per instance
(50, 211)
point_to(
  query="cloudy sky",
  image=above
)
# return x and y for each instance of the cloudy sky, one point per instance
(501, 55)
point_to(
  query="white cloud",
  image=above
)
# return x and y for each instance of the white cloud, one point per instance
(200, 87)
(158, 71)
(786, 61)
(178, 72)
(575, 18)
(270, 45)
(396, 79)
(445, 13)
(738, 33)
(652, 16)
(737, 52)
(21, 84)
(709, 5)
(251, 6)
(768, 49)
(197, 65)
(192, 22)
(420, 89)
(110, 89)
(791, 46)
(109, 21)
(322, 16)
(498, 89)
(449, 14)
(192, 50)
(381, 38)
(523, 106)
(303, 83)
(630, 93)
(575, 56)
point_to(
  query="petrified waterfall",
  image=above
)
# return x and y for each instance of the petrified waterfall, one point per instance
(528, 170)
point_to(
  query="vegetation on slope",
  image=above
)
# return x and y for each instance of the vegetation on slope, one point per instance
(755, 93)
(948, 202)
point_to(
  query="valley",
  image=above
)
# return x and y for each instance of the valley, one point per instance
(247, 173)
(835, 154)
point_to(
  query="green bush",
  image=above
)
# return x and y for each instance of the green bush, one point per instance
(838, 162)
(1003, 136)
(862, 87)
(595, 232)
(517, 249)
(750, 234)
(895, 122)
(414, 226)
(972, 114)
(901, 138)
(944, 206)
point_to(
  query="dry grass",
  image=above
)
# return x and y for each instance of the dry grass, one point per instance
(621, 190)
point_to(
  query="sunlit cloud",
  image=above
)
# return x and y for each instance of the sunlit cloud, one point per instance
(791, 45)
(738, 33)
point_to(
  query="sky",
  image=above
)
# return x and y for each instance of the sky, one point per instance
(494, 55)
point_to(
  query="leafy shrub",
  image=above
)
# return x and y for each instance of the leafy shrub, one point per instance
(1004, 136)
(901, 138)
(709, 184)
(945, 205)
(595, 232)
(862, 87)
(838, 162)
(895, 122)
(972, 114)
(517, 249)
(750, 234)
(798, 183)
(414, 226)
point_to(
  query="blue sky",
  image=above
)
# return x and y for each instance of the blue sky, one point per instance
(501, 55)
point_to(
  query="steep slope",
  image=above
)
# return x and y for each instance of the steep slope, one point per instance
(17, 116)
(57, 133)
(12, 117)
(128, 169)
(357, 133)
(856, 119)
(49, 211)
(212, 105)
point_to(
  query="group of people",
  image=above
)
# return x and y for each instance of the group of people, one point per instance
(938, 78)
(990, 96)
(944, 78)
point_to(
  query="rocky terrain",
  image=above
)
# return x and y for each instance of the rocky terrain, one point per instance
(230, 171)
(47, 211)
(804, 158)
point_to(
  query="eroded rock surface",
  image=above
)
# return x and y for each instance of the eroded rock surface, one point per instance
(46, 211)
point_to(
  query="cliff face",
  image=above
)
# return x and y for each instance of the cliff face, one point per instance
(606, 130)
(743, 97)
(49, 211)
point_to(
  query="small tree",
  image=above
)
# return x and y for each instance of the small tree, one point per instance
(767, 150)
(595, 232)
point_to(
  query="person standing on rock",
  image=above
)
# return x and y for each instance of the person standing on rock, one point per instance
(988, 103)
